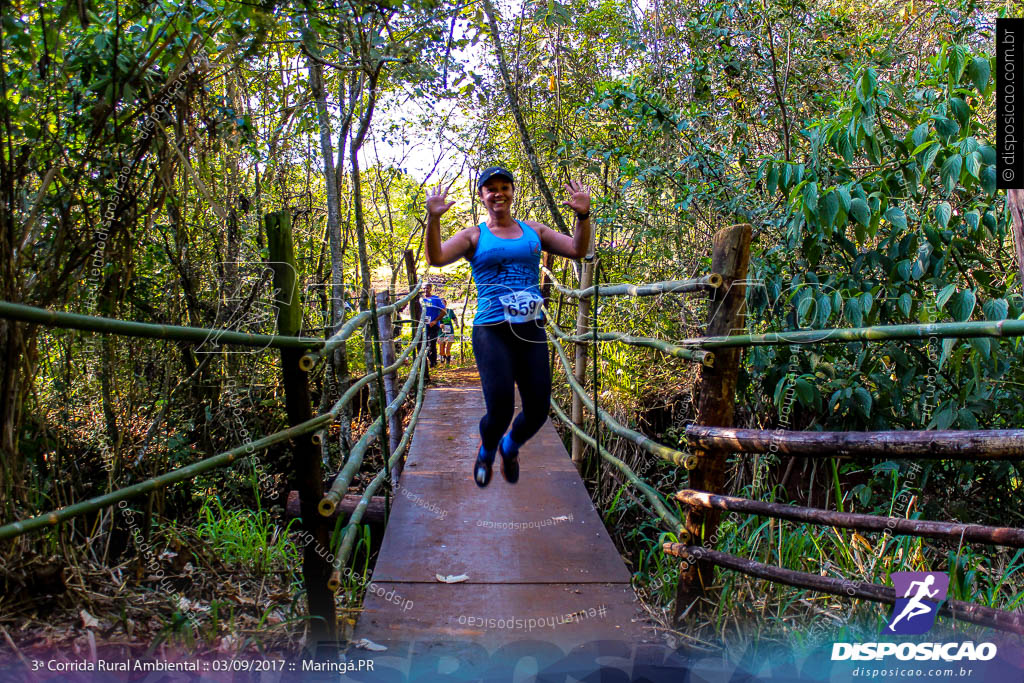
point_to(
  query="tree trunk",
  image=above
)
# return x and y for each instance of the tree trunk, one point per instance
(337, 378)
(517, 114)
(364, 259)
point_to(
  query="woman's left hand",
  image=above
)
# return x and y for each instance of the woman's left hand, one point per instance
(579, 196)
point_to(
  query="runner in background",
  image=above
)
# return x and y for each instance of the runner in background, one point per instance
(447, 336)
(433, 309)
(508, 331)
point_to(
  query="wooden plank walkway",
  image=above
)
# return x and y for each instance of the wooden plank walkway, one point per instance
(534, 551)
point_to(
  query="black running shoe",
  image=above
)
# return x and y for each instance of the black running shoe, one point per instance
(482, 471)
(509, 466)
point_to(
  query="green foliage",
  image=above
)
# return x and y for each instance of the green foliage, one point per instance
(910, 240)
(246, 537)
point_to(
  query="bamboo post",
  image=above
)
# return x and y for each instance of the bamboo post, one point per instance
(306, 463)
(730, 257)
(462, 326)
(378, 371)
(580, 368)
(387, 355)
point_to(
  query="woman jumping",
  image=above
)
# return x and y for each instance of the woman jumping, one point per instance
(508, 330)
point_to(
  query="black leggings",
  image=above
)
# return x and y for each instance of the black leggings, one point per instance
(509, 354)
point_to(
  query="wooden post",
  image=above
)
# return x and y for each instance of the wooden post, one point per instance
(387, 351)
(307, 473)
(410, 274)
(1015, 198)
(717, 391)
(580, 367)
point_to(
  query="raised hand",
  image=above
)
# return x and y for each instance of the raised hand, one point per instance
(437, 201)
(579, 196)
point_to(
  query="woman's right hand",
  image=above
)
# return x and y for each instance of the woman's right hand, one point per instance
(459, 245)
(437, 202)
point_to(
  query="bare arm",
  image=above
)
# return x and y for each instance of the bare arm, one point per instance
(574, 247)
(459, 245)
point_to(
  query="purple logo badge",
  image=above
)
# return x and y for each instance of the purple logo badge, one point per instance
(918, 595)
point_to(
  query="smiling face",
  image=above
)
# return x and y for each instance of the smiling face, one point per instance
(496, 195)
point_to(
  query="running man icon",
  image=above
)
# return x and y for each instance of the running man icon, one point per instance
(918, 597)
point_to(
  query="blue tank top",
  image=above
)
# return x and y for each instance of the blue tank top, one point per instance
(507, 276)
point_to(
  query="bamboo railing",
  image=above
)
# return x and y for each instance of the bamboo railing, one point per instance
(310, 359)
(690, 286)
(667, 516)
(224, 459)
(355, 457)
(664, 452)
(128, 328)
(181, 474)
(706, 358)
(964, 330)
(348, 540)
(321, 609)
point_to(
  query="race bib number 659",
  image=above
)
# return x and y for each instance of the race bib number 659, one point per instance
(521, 307)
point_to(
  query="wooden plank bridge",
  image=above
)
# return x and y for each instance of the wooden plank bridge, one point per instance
(540, 565)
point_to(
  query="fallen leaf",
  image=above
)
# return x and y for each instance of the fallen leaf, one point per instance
(185, 605)
(228, 643)
(88, 620)
(451, 578)
(367, 644)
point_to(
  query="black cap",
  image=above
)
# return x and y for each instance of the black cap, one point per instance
(492, 171)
